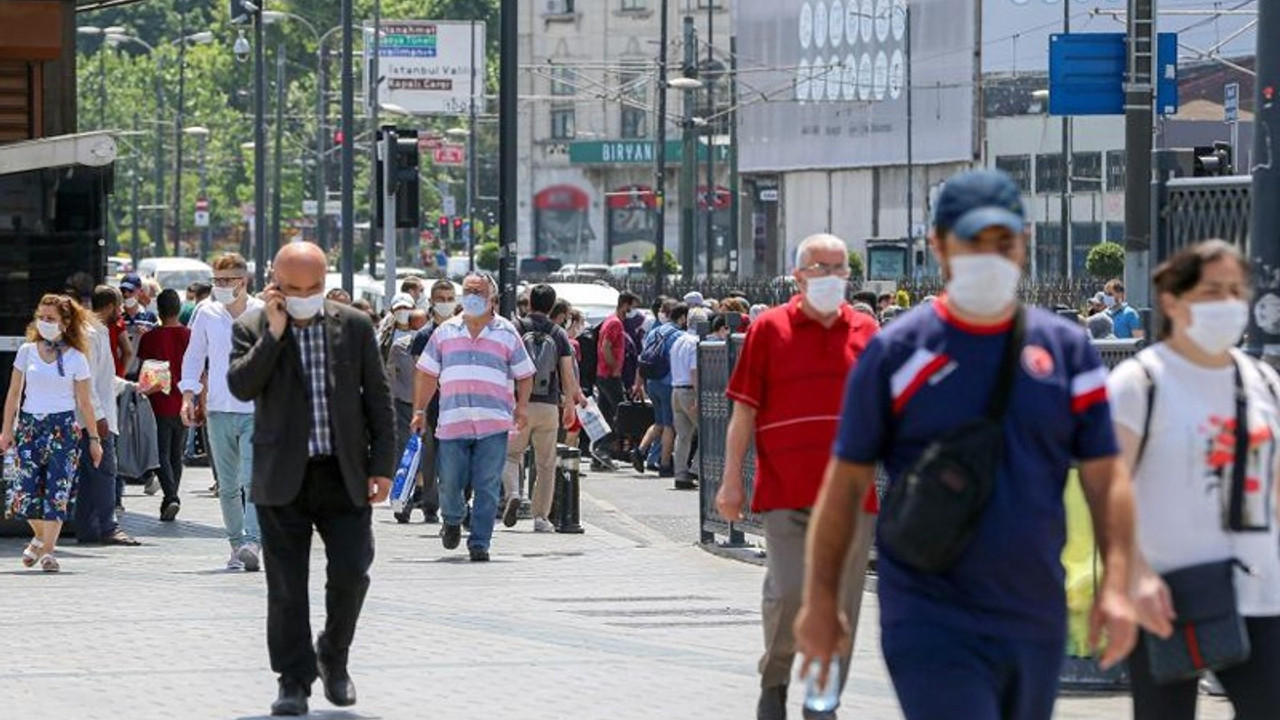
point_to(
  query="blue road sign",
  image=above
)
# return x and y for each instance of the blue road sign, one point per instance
(1087, 73)
(1231, 102)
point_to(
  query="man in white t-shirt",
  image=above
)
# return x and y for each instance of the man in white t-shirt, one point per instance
(230, 421)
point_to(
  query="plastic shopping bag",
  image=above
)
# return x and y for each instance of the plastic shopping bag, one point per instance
(156, 373)
(406, 473)
(593, 421)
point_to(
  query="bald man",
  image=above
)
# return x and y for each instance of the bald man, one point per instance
(323, 409)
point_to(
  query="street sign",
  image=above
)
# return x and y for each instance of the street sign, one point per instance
(450, 154)
(309, 207)
(202, 204)
(450, 205)
(331, 207)
(430, 141)
(202, 218)
(1087, 73)
(1231, 102)
(425, 66)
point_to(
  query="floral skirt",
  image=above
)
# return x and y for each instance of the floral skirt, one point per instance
(48, 458)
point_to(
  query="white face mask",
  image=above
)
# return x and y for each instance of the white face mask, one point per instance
(420, 302)
(402, 317)
(131, 302)
(474, 305)
(445, 309)
(826, 294)
(304, 308)
(1108, 301)
(224, 295)
(50, 331)
(983, 285)
(1218, 325)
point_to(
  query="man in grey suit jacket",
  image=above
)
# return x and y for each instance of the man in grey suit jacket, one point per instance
(324, 452)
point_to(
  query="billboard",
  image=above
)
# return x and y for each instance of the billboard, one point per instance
(824, 83)
(426, 66)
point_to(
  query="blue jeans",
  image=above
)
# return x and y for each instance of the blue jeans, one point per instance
(95, 500)
(660, 394)
(937, 669)
(231, 444)
(476, 463)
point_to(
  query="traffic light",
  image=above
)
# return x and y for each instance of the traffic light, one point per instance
(404, 173)
(1214, 160)
(444, 229)
(457, 229)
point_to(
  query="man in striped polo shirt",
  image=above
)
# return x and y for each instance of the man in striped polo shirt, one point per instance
(472, 359)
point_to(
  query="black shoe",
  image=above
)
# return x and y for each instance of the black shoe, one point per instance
(338, 688)
(479, 555)
(637, 460)
(686, 484)
(511, 513)
(431, 517)
(292, 699)
(169, 512)
(450, 536)
(772, 704)
(667, 472)
(402, 516)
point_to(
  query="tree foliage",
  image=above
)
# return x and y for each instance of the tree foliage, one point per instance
(650, 263)
(487, 256)
(1106, 260)
(857, 269)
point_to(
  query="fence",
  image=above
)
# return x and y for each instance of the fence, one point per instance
(1191, 209)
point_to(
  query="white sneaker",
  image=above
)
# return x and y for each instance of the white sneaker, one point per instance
(234, 562)
(153, 486)
(249, 557)
(542, 525)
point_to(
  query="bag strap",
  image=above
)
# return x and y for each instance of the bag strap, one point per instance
(1235, 517)
(1008, 367)
(1151, 402)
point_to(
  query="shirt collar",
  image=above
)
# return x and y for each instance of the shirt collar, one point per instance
(940, 306)
(797, 316)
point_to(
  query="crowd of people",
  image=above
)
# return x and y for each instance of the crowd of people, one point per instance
(976, 408)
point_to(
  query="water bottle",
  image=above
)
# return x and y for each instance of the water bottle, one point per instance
(825, 698)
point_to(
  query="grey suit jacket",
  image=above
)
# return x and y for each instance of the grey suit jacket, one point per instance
(269, 373)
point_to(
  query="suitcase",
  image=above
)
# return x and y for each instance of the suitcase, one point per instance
(634, 419)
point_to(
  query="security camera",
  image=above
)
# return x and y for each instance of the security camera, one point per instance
(241, 48)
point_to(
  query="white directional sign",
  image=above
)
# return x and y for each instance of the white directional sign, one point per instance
(426, 66)
(202, 218)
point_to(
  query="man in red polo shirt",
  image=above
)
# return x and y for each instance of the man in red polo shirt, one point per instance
(786, 391)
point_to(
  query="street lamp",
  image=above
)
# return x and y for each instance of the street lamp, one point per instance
(206, 237)
(93, 31)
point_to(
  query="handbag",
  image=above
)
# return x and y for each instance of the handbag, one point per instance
(928, 515)
(1209, 632)
(406, 473)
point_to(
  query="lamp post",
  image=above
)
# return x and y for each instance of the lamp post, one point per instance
(689, 154)
(279, 149)
(660, 173)
(202, 133)
(469, 133)
(201, 38)
(105, 34)
(348, 149)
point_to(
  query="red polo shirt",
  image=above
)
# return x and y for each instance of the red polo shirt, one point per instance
(792, 370)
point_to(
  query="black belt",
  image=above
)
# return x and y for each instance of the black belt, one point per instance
(681, 387)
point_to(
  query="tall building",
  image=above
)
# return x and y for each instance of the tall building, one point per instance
(588, 116)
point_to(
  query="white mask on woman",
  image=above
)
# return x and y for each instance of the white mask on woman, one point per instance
(1218, 325)
(50, 331)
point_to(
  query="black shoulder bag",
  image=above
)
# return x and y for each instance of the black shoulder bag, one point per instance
(1209, 633)
(928, 515)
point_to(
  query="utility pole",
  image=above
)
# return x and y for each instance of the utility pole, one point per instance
(713, 196)
(660, 153)
(689, 161)
(259, 153)
(371, 89)
(348, 150)
(102, 83)
(178, 130)
(1264, 227)
(389, 146)
(1068, 169)
(734, 184)
(508, 146)
(157, 227)
(1139, 103)
(206, 233)
(135, 242)
(471, 158)
(322, 146)
(911, 146)
(279, 149)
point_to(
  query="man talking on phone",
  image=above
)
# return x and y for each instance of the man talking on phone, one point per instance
(323, 407)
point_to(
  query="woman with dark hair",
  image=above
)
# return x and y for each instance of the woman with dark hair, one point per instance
(1197, 421)
(50, 383)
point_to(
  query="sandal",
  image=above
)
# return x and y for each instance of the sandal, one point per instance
(30, 554)
(49, 564)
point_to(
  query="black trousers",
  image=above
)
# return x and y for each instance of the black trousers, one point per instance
(172, 437)
(1253, 687)
(347, 532)
(609, 395)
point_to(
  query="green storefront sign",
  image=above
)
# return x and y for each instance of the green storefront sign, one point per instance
(634, 152)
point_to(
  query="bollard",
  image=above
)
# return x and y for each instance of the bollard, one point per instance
(568, 509)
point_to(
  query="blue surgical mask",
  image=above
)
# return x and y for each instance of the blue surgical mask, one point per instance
(474, 305)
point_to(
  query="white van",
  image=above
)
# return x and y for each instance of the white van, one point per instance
(175, 273)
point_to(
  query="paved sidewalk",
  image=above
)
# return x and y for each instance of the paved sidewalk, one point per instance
(623, 622)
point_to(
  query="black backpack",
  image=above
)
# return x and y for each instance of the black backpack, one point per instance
(655, 357)
(545, 357)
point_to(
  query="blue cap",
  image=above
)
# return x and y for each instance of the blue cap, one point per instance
(131, 282)
(973, 201)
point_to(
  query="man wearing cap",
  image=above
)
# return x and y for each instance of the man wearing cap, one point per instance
(137, 318)
(982, 637)
(396, 325)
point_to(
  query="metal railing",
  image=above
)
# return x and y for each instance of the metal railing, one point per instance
(1191, 209)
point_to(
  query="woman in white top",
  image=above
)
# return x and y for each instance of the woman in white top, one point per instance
(1175, 408)
(53, 370)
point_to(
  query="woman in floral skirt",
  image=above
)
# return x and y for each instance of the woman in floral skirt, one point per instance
(50, 382)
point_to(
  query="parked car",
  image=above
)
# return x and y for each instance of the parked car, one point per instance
(174, 272)
(595, 301)
(119, 266)
(583, 272)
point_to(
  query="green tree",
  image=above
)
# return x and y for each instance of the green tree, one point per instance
(650, 263)
(487, 256)
(857, 269)
(1106, 260)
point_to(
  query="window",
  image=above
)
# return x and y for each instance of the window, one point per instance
(635, 95)
(1115, 170)
(704, 4)
(562, 81)
(1048, 173)
(1048, 243)
(635, 5)
(562, 123)
(635, 123)
(559, 7)
(1019, 168)
(1086, 165)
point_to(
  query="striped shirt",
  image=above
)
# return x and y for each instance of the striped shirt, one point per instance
(315, 368)
(476, 374)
